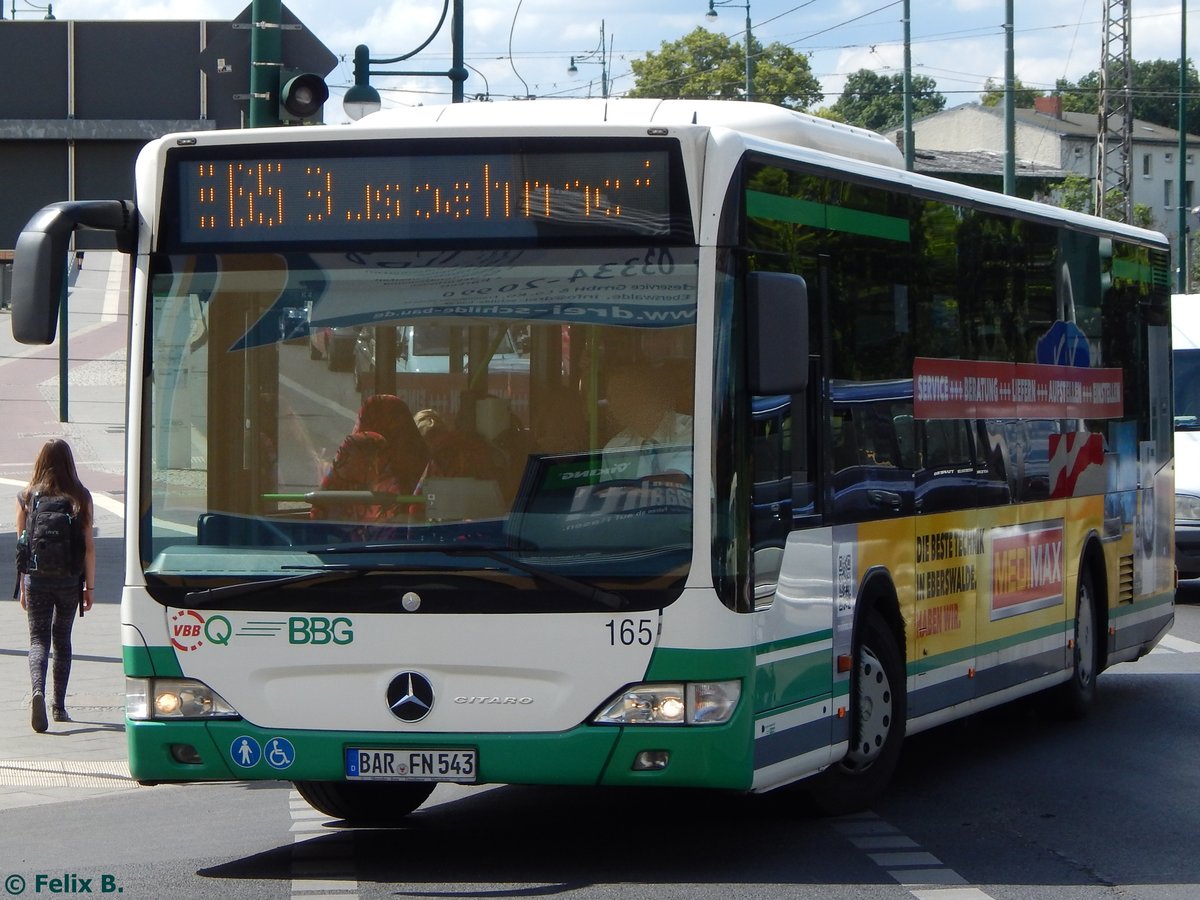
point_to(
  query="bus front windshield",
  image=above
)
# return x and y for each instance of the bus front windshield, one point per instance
(525, 414)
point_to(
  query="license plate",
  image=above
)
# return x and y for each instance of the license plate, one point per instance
(410, 764)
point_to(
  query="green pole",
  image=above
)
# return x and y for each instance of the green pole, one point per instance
(1010, 104)
(1181, 267)
(458, 71)
(910, 151)
(266, 59)
(749, 66)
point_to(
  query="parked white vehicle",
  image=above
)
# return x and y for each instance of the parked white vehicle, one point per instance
(1185, 318)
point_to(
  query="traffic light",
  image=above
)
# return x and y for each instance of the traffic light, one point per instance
(301, 96)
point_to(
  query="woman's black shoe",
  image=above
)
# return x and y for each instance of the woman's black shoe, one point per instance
(59, 714)
(37, 712)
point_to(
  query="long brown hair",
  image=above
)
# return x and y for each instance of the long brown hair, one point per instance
(54, 474)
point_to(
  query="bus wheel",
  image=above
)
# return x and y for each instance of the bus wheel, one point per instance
(1076, 695)
(878, 711)
(377, 803)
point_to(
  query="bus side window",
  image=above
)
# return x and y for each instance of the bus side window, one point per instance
(906, 440)
(845, 447)
(782, 489)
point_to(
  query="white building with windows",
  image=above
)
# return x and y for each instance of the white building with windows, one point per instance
(1048, 137)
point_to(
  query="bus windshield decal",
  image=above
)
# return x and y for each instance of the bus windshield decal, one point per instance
(651, 287)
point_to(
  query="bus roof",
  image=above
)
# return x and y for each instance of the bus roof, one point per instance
(759, 119)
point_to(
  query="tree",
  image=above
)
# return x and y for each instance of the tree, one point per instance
(1083, 97)
(708, 65)
(877, 101)
(993, 94)
(1075, 192)
(1155, 93)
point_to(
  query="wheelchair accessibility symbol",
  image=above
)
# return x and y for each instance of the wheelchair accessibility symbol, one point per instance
(279, 753)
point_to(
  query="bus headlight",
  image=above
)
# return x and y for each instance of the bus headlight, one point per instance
(1187, 508)
(712, 702)
(173, 698)
(694, 703)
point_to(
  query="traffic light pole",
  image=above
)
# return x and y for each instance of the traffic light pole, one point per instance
(266, 60)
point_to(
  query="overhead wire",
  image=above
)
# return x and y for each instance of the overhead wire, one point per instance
(982, 31)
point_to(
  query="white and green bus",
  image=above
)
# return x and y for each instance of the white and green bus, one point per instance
(747, 452)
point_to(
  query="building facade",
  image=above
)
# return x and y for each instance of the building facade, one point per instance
(1048, 137)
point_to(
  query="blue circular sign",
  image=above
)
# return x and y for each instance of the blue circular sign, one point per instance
(245, 751)
(279, 753)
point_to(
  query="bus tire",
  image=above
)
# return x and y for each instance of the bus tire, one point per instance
(1076, 695)
(878, 713)
(375, 803)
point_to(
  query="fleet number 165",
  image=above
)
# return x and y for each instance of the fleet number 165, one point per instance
(628, 632)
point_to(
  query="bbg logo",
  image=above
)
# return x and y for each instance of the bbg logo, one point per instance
(320, 630)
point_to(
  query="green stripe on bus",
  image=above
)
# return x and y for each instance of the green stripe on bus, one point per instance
(674, 664)
(788, 643)
(144, 662)
(1127, 609)
(929, 663)
(821, 215)
(796, 679)
(1133, 270)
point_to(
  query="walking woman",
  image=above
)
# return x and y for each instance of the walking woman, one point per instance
(52, 600)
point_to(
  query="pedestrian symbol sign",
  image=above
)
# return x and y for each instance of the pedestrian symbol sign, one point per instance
(245, 751)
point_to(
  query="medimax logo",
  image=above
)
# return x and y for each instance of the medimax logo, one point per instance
(1027, 568)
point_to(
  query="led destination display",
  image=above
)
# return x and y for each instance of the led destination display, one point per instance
(404, 196)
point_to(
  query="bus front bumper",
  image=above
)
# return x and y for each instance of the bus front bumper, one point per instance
(235, 750)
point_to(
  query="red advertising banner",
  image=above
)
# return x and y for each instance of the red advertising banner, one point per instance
(1027, 568)
(972, 389)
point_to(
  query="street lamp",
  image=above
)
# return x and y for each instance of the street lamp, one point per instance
(362, 99)
(48, 9)
(605, 54)
(711, 15)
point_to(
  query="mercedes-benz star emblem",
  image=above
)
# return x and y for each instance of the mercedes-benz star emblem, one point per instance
(410, 697)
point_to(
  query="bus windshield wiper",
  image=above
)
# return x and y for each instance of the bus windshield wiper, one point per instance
(320, 575)
(314, 574)
(573, 585)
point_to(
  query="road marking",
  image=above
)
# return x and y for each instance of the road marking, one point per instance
(321, 870)
(1172, 644)
(110, 310)
(926, 876)
(65, 773)
(105, 502)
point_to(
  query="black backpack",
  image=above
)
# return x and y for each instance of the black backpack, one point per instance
(55, 537)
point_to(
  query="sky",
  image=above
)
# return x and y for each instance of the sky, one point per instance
(521, 48)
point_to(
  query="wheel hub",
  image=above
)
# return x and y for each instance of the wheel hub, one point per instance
(874, 702)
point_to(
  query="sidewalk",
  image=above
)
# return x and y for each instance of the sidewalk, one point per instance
(86, 757)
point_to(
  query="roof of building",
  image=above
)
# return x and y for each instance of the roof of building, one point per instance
(978, 162)
(1073, 124)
